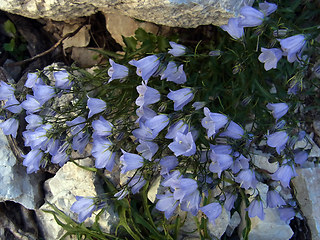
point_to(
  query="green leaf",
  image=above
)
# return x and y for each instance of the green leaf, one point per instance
(141, 35)
(9, 47)
(130, 43)
(10, 28)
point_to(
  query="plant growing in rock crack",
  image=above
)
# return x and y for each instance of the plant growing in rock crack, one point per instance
(193, 117)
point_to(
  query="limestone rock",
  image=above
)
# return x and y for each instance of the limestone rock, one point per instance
(174, 13)
(308, 195)
(261, 160)
(16, 184)
(71, 181)
(221, 224)
(308, 143)
(80, 39)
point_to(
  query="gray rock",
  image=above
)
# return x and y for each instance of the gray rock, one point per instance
(81, 39)
(174, 13)
(234, 222)
(71, 181)
(308, 143)
(221, 224)
(261, 160)
(308, 195)
(16, 184)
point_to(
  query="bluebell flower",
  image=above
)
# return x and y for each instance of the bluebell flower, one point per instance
(213, 121)
(10, 127)
(183, 187)
(146, 66)
(177, 49)
(278, 140)
(233, 131)
(180, 98)
(130, 161)
(174, 74)
(80, 141)
(256, 209)
(172, 179)
(191, 203)
(240, 163)
(284, 174)
(102, 153)
(278, 109)
(229, 200)
(31, 104)
(32, 160)
(43, 93)
(247, 179)
(220, 161)
(147, 149)
(198, 105)
(136, 183)
(274, 199)
(167, 204)
(84, 207)
(147, 95)
(13, 105)
(157, 123)
(117, 71)
(286, 214)
(61, 156)
(121, 194)
(212, 211)
(32, 80)
(270, 57)
(62, 80)
(36, 138)
(52, 146)
(179, 126)
(76, 124)
(102, 127)
(95, 106)
(233, 28)
(144, 113)
(301, 157)
(221, 149)
(267, 8)
(251, 17)
(6, 91)
(144, 133)
(292, 46)
(183, 145)
(167, 164)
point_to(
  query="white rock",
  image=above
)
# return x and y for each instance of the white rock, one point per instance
(71, 181)
(80, 39)
(16, 184)
(308, 143)
(234, 222)
(308, 195)
(175, 13)
(260, 160)
(221, 224)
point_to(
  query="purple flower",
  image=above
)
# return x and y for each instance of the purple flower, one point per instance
(136, 183)
(267, 8)
(33, 121)
(284, 174)
(144, 113)
(10, 127)
(213, 121)
(183, 145)
(61, 156)
(180, 98)
(80, 141)
(36, 139)
(278, 109)
(233, 28)
(32, 79)
(274, 199)
(84, 207)
(76, 124)
(251, 17)
(172, 179)
(166, 204)
(198, 105)
(147, 149)
(62, 80)
(220, 162)
(95, 106)
(130, 161)
(174, 74)
(278, 140)
(183, 187)
(121, 194)
(191, 203)
(212, 211)
(233, 131)
(117, 71)
(286, 214)
(229, 201)
(292, 46)
(102, 153)
(167, 164)
(179, 126)
(102, 127)
(256, 209)
(13, 105)
(32, 160)
(301, 157)
(247, 179)
(43, 93)
(177, 49)
(146, 67)
(270, 57)
(147, 95)
(6, 91)
(240, 163)
(144, 133)
(31, 104)
(157, 123)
